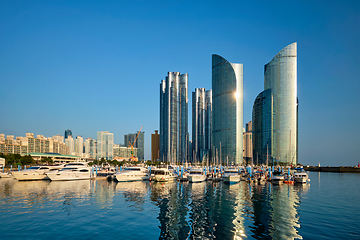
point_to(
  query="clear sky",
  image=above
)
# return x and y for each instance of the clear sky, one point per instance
(95, 66)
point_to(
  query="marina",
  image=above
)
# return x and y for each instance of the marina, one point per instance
(181, 210)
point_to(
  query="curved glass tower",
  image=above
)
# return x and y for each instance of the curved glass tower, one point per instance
(227, 118)
(275, 110)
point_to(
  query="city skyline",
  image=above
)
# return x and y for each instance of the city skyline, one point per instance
(71, 65)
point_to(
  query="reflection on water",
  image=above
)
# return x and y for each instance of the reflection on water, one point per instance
(134, 193)
(204, 210)
(238, 211)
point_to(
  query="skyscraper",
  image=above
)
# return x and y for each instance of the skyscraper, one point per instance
(275, 110)
(68, 133)
(227, 114)
(174, 136)
(105, 142)
(201, 124)
(155, 146)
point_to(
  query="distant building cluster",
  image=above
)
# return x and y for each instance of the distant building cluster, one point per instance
(218, 134)
(102, 147)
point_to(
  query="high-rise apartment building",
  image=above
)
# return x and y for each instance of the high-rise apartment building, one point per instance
(105, 142)
(139, 143)
(70, 143)
(30, 144)
(90, 148)
(227, 113)
(275, 111)
(174, 136)
(201, 124)
(155, 146)
(68, 133)
(79, 146)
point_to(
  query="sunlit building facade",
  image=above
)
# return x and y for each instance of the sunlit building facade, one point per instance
(174, 136)
(105, 142)
(227, 111)
(275, 111)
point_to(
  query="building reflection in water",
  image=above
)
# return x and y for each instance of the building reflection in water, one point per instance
(217, 210)
(134, 193)
(204, 210)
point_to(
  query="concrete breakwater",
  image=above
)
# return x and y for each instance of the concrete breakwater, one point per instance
(333, 169)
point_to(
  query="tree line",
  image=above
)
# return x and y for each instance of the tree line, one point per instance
(17, 159)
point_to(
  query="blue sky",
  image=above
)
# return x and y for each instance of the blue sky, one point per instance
(95, 66)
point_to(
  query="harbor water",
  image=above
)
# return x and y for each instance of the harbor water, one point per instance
(326, 208)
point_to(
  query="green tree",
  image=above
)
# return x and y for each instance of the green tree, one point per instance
(26, 160)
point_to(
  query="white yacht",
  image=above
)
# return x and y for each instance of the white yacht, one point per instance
(231, 175)
(162, 175)
(35, 173)
(277, 178)
(196, 175)
(131, 174)
(300, 176)
(72, 171)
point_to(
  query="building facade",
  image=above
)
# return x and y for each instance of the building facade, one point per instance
(79, 146)
(201, 125)
(247, 141)
(30, 144)
(90, 148)
(122, 153)
(155, 146)
(70, 143)
(139, 144)
(105, 143)
(174, 136)
(275, 111)
(227, 113)
(68, 133)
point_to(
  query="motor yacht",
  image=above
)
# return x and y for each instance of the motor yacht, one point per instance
(231, 175)
(131, 174)
(196, 175)
(72, 171)
(277, 178)
(162, 175)
(35, 172)
(300, 176)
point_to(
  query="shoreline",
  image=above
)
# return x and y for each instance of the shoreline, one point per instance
(333, 169)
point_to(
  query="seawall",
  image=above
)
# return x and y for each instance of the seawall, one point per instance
(333, 169)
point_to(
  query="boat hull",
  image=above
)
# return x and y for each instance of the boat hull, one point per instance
(29, 176)
(231, 179)
(197, 178)
(68, 176)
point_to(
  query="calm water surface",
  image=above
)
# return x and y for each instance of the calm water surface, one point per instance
(327, 208)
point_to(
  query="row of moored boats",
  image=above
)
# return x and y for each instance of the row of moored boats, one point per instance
(81, 171)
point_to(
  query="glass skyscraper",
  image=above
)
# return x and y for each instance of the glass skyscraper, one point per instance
(68, 133)
(201, 124)
(174, 136)
(275, 111)
(227, 115)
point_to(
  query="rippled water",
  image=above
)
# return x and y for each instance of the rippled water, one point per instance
(327, 208)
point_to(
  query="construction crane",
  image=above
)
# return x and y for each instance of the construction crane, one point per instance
(132, 145)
